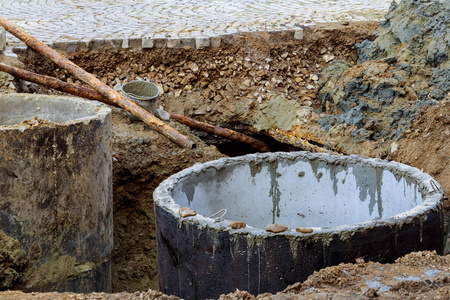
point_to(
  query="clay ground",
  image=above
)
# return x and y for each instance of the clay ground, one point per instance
(229, 87)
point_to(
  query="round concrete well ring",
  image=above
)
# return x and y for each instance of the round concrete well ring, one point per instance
(56, 191)
(355, 207)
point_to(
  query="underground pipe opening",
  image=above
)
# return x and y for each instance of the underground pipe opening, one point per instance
(336, 209)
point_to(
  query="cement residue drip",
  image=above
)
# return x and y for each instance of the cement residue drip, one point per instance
(255, 167)
(379, 178)
(274, 191)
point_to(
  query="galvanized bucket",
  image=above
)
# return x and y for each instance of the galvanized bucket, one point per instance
(144, 93)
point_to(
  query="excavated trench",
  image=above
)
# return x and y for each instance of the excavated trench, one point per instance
(225, 87)
(255, 84)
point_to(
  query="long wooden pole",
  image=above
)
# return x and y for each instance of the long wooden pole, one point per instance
(88, 93)
(99, 86)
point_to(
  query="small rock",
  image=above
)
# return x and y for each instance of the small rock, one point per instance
(276, 228)
(177, 93)
(304, 230)
(186, 212)
(237, 225)
(314, 77)
(394, 147)
(298, 79)
(193, 66)
(310, 87)
(247, 82)
(260, 73)
(328, 57)
(206, 94)
(160, 87)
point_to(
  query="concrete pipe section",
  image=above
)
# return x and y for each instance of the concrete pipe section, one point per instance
(334, 209)
(55, 193)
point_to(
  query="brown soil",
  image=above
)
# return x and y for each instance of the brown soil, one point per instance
(229, 87)
(419, 275)
(142, 159)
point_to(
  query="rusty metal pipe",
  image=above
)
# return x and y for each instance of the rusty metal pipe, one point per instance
(55, 84)
(99, 86)
(222, 132)
(91, 94)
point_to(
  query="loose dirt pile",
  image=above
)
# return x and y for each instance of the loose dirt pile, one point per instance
(419, 275)
(313, 94)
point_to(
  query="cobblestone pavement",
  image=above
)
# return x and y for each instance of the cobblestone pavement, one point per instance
(83, 20)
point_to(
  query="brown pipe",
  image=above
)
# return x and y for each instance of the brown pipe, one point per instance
(97, 85)
(88, 93)
(222, 132)
(55, 84)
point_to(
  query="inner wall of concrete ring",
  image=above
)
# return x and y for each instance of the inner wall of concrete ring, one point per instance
(358, 207)
(56, 190)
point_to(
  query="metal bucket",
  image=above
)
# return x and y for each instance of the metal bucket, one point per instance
(144, 93)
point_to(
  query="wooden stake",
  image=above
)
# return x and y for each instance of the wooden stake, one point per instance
(97, 85)
(88, 93)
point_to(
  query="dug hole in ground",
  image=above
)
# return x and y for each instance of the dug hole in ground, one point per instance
(388, 97)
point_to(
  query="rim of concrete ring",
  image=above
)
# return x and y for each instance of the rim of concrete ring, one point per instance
(429, 187)
(100, 110)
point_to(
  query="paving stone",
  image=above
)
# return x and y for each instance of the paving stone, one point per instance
(215, 41)
(173, 43)
(201, 43)
(188, 43)
(69, 20)
(298, 34)
(147, 43)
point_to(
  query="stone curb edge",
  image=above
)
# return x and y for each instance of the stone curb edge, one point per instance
(169, 43)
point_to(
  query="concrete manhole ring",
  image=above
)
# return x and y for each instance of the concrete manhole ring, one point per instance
(335, 208)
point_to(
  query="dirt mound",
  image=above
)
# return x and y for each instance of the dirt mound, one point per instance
(415, 32)
(407, 66)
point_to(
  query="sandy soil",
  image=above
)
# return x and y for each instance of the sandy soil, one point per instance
(229, 87)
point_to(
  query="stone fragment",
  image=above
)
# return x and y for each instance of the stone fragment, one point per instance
(237, 225)
(193, 66)
(187, 212)
(328, 57)
(247, 82)
(304, 230)
(276, 228)
(394, 147)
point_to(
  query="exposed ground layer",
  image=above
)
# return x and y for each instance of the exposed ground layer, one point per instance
(239, 86)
